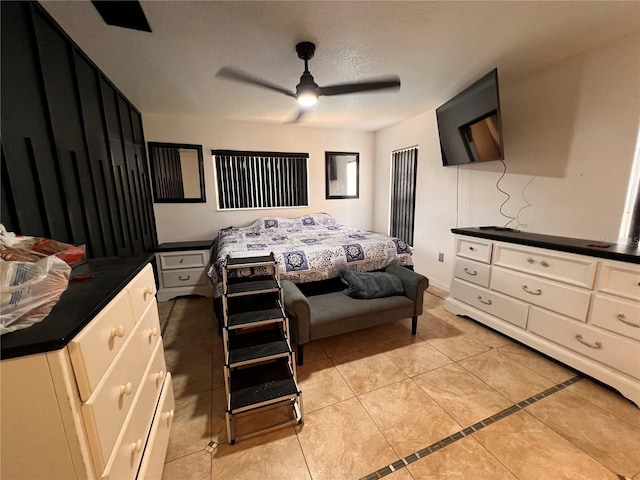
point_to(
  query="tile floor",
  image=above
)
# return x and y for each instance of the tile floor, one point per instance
(381, 402)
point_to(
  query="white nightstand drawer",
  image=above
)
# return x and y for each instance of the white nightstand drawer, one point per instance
(105, 411)
(181, 260)
(154, 455)
(612, 350)
(474, 248)
(580, 271)
(565, 299)
(620, 279)
(617, 315)
(95, 347)
(183, 278)
(506, 308)
(142, 290)
(473, 272)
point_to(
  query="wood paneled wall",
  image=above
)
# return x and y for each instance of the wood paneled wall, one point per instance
(74, 165)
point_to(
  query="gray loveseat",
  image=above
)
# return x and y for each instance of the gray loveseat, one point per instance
(323, 315)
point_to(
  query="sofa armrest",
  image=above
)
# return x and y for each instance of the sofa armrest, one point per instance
(298, 310)
(414, 285)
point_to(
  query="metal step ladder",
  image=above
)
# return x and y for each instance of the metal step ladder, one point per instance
(260, 366)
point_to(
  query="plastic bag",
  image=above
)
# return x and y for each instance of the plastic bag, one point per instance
(30, 285)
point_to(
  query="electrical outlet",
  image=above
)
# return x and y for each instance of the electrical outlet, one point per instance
(441, 257)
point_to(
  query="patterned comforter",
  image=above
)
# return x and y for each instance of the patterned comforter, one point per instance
(309, 248)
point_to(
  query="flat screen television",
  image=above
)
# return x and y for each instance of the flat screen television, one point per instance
(470, 126)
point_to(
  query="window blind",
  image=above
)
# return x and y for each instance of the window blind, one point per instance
(404, 164)
(261, 179)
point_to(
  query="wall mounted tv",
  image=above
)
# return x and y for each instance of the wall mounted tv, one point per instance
(469, 124)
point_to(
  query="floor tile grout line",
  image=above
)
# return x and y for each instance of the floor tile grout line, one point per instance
(164, 327)
(516, 407)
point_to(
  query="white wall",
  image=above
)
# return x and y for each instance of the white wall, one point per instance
(569, 131)
(199, 221)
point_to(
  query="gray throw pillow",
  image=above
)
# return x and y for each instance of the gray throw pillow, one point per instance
(370, 284)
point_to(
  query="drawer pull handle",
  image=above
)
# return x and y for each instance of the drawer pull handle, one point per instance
(136, 447)
(145, 292)
(544, 264)
(125, 389)
(469, 272)
(153, 332)
(184, 279)
(169, 415)
(181, 260)
(117, 332)
(623, 319)
(596, 345)
(531, 260)
(486, 302)
(537, 291)
(472, 249)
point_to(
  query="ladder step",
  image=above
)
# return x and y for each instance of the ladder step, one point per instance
(261, 384)
(255, 318)
(252, 287)
(255, 346)
(248, 262)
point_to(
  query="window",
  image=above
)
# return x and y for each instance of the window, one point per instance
(261, 179)
(630, 228)
(404, 164)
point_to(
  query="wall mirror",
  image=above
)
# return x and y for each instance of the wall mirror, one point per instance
(177, 172)
(341, 174)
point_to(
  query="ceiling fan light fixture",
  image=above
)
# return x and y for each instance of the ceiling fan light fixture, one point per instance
(307, 99)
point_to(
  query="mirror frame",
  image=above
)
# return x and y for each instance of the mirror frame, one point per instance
(155, 171)
(328, 170)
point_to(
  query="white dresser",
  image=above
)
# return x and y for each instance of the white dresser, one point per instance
(102, 405)
(182, 269)
(583, 310)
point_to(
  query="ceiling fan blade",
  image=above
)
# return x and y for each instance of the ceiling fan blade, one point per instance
(344, 88)
(229, 73)
(299, 114)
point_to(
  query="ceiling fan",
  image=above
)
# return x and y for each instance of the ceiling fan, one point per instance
(307, 91)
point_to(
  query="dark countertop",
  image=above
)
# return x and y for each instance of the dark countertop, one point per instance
(177, 246)
(593, 248)
(78, 305)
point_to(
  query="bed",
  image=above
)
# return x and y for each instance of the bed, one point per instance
(309, 248)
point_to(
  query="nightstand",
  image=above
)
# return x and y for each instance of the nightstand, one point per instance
(182, 269)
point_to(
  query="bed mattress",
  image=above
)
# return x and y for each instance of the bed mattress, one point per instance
(308, 248)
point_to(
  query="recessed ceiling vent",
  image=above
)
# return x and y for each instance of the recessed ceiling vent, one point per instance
(125, 14)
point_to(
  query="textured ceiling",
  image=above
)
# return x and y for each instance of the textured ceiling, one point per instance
(436, 48)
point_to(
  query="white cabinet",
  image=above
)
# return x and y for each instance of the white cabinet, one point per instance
(183, 268)
(582, 310)
(86, 411)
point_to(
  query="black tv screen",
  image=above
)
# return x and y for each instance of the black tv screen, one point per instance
(469, 124)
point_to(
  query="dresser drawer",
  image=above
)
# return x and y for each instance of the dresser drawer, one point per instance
(105, 411)
(473, 272)
(142, 290)
(620, 279)
(501, 306)
(95, 347)
(580, 271)
(181, 260)
(567, 300)
(474, 248)
(126, 457)
(611, 350)
(184, 278)
(156, 450)
(617, 315)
